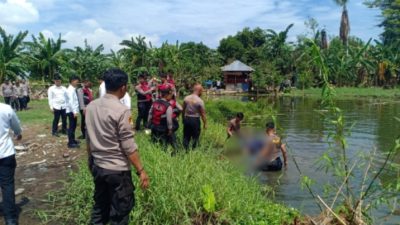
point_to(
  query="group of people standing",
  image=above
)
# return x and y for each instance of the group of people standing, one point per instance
(67, 104)
(159, 111)
(16, 94)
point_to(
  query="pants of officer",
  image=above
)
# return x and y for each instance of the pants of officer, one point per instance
(27, 100)
(21, 101)
(113, 196)
(143, 114)
(57, 114)
(7, 100)
(191, 131)
(14, 103)
(161, 136)
(275, 165)
(7, 171)
(72, 120)
(83, 124)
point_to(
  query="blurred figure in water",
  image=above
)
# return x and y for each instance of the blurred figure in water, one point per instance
(269, 157)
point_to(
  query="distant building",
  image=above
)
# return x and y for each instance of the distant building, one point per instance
(236, 76)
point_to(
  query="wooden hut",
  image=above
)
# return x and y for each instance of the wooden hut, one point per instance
(236, 76)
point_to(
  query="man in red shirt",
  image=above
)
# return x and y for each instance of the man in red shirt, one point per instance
(144, 101)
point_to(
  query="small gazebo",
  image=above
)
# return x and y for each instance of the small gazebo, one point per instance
(236, 76)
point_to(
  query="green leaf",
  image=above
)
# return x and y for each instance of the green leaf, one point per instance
(208, 199)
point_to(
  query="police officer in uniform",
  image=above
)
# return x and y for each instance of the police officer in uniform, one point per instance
(269, 158)
(193, 109)
(161, 119)
(112, 150)
(144, 100)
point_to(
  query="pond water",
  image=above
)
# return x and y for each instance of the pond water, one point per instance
(304, 130)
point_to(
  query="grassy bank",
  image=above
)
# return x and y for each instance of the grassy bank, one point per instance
(349, 92)
(177, 194)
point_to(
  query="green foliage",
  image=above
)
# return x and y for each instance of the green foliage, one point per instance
(11, 56)
(209, 202)
(45, 57)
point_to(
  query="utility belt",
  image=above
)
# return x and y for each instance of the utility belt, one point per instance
(164, 127)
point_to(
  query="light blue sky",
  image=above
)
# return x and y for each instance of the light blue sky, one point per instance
(108, 22)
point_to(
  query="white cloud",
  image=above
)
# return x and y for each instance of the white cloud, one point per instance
(98, 36)
(14, 12)
(91, 23)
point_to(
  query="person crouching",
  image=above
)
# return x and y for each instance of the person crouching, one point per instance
(161, 119)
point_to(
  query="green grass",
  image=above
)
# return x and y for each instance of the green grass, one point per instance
(349, 92)
(175, 195)
(39, 113)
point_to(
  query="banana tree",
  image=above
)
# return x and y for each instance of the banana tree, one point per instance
(87, 62)
(45, 56)
(11, 56)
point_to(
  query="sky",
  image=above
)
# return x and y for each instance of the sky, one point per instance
(207, 21)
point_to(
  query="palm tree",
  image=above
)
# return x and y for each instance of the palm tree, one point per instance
(277, 40)
(344, 22)
(11, 62)
(46, 55)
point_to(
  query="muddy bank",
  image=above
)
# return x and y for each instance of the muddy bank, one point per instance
(42, 167)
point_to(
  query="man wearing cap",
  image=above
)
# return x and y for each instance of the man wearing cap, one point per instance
(7, 91)
(193, 109)
(72, 111)
(57, 96)
(8, 121)
(112, 150)
(144, 101)
(85, 96)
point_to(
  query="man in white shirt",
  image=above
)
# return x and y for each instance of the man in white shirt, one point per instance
(72, 111)
(57, 95)
(102, 87)
(8, 120)
(126, 100)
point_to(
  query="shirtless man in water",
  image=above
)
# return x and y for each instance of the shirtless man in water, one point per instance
(234, 125)
(270, 154)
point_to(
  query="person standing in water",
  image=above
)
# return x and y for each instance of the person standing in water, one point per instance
(234, 125)
(269, 158)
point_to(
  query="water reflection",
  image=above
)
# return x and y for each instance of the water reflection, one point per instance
(304, 130)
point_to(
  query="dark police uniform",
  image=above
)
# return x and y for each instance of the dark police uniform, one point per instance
(191, 121)
(161, 120)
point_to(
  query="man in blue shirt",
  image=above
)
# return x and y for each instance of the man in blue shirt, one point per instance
(8, 120)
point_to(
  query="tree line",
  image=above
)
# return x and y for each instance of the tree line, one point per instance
(351, 61)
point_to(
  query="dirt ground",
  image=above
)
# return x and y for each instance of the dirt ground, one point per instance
(42, 167)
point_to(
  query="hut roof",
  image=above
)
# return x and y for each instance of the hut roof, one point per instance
(237, 66)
